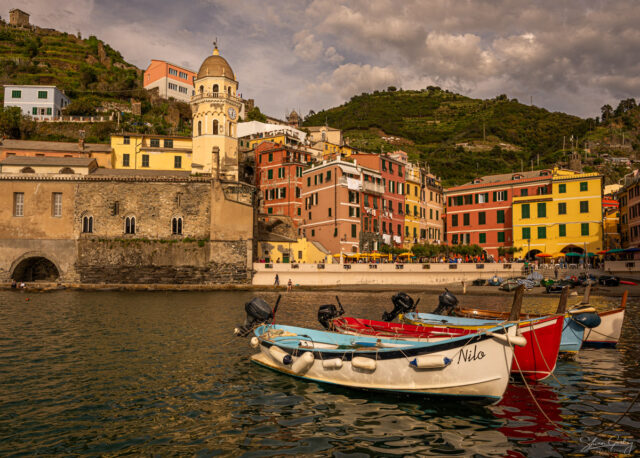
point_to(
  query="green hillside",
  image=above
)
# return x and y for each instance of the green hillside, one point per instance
(459, 137)
(96, 78)
(80, 67)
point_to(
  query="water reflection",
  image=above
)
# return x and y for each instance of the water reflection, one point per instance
(159, 373)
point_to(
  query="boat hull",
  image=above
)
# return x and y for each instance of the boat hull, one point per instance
(607, 333)
(536, 360)
(477, 366)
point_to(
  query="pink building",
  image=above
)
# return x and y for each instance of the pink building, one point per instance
(393, 179)
(171, 80)
(342, 205)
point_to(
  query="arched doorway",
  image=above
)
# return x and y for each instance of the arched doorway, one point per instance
(531, 255)
(36, 268)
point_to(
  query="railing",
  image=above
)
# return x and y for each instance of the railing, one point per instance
(215, 95)
(373, 187)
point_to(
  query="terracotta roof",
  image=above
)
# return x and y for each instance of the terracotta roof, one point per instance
(142, 173)
(44, 160)
(63, 147)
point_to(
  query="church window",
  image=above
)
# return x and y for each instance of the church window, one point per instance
(130, 225)
(215, 127)
(87, 224)
(176, 226)
(199, 128)
(201, 89)
(229, 90)
(215, 89)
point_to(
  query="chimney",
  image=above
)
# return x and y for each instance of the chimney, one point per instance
(81, 144)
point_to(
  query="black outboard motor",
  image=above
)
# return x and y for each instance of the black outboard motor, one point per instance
(446, 303)
(326, 314)
(258, 312)
(402, 303)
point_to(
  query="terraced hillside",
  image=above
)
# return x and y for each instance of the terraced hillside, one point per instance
(81, 67)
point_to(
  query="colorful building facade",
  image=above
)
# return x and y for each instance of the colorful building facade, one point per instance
(279, 178)
(151, 152)
(480, 212)
(170, 80)
(566, 217)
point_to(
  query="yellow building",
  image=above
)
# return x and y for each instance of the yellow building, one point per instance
(215, 108)
(414, 221)
(564, 215)
(302, 251)
(151, 152)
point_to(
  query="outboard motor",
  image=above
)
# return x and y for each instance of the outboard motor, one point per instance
(258, 312)
(446, 303)
(326, 314)
(402, 303)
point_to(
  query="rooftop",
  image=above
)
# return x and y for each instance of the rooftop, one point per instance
(63, 147)
(142, 173)
(43, 160)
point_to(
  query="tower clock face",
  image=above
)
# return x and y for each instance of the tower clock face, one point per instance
(232, 113)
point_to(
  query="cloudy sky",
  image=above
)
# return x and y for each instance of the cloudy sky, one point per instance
(572, 56)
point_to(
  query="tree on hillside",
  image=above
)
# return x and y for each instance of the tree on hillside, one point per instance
(607, 112)
(13, 124)
(80, 107)
(624, 106)
(256, 115)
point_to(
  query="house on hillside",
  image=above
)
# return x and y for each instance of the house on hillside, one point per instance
(18, 18)
(42, 103)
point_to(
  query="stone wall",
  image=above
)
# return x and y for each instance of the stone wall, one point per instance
(161, 261)
(153, 203)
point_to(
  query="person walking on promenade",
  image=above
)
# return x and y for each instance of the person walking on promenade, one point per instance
(289, 285)
(277, 282)
(555, 272)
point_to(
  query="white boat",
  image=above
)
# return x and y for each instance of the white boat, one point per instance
(608, 332)
(474, 367)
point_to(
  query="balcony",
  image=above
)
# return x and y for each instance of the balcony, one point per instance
(372, 188)
(215, 95)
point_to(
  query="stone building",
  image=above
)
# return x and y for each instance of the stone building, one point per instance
(18, 18)
(132, 226)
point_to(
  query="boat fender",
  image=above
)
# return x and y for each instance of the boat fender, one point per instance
(582, 310)
(254, 342)
(280, 355)
(333, 363)
(430, 362)
(520, 341)
(303, 363)
(366, 364)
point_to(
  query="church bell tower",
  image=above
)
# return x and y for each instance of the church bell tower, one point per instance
(215, 107)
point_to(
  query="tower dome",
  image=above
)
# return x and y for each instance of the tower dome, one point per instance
(216, 65)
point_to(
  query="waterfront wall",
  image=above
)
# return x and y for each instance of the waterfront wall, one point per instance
(380, 274)
(167, 262)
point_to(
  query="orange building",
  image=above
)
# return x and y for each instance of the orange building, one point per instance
(101, 153)
(171, 80)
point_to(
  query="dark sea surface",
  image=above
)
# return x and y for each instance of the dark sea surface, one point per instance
(114, 373)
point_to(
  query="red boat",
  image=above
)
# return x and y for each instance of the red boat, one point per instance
(534, 361)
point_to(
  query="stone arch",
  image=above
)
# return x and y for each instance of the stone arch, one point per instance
(531, 255)
(215, 89)
(27, 170)
(35, 266)
(67, 171)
